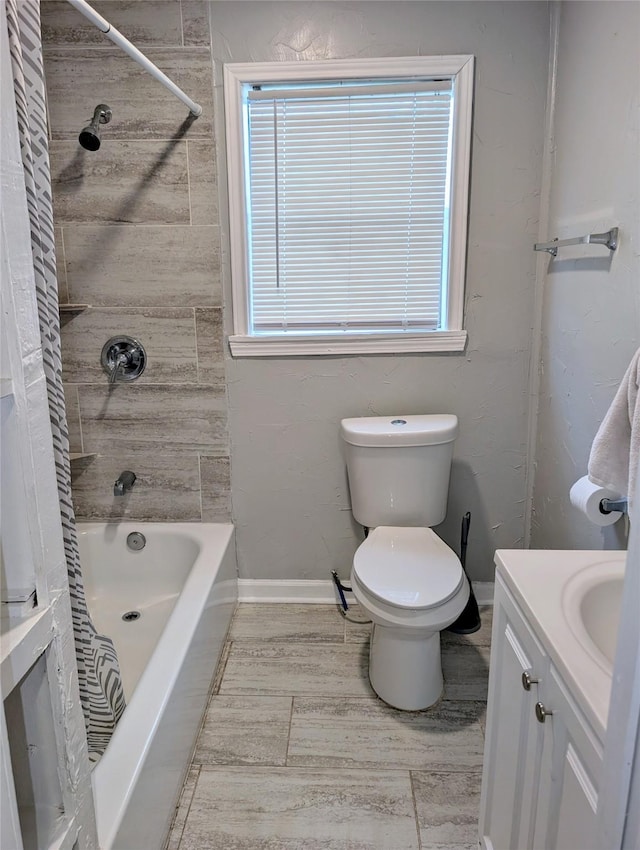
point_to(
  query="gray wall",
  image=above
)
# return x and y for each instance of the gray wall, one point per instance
(138, 240)
(591, 313)
(290, 494)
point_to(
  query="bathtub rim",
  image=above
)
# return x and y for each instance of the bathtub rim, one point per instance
(155, 687)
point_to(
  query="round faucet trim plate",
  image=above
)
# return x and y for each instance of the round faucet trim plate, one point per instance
(123, 358)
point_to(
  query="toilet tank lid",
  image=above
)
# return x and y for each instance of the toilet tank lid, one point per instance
(421, 430)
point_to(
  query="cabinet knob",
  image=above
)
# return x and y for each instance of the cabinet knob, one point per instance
(527, 681)
(542, 713)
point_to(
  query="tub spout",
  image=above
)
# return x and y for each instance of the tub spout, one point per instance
(125, 482)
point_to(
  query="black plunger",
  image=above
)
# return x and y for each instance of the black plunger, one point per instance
(469, 621)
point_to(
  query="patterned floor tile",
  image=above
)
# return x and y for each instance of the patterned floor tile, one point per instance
(182, 811)
(298, 752)
(287, 622)
(447, 805)
(480, 638)
(355, 631)
(466, 672)
(291, 808)
(245, 730)
(297, 669)
(368, 733)
(222, 664)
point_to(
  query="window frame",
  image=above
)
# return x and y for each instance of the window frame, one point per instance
(459, 68)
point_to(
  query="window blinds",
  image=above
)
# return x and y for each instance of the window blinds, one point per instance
(348, 207)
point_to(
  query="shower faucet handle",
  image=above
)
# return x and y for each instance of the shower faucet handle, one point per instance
(123, 358)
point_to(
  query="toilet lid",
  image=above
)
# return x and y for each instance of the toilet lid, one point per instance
(408, 567)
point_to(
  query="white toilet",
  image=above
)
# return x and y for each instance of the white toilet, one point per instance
(405, 577)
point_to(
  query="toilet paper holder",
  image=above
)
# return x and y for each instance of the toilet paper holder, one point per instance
(608, 506)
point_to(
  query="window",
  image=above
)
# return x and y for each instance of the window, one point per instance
(348, 185)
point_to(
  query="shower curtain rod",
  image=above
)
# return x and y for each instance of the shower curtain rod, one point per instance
(117, 38)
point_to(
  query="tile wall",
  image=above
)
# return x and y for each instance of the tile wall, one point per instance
(138, 240)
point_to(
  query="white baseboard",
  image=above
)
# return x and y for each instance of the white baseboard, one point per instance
(286, 590)
(318, 591)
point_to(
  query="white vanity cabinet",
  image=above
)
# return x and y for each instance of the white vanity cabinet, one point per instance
(542, 760)
(569, 772)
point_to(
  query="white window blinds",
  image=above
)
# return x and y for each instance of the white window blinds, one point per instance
(348, 197)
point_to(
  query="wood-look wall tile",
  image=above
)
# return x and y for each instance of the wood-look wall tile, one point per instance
(195, 23)
(168, 337)
(61, 269)
(144, 22)
(167, 486)
(72, 406)
(78, 79)
(143, 266)
(156, 417)
(210, 340)
(215, 482)
(137, 182)
(203, 183)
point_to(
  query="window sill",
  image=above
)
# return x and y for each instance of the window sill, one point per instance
(295, 346)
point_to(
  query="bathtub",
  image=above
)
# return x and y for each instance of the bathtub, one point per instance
(183, 585)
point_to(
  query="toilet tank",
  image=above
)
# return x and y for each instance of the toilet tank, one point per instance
(399, 468)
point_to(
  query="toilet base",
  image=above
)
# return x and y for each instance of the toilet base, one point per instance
(405, 668)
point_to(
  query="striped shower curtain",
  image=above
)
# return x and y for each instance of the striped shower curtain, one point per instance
(98, 671)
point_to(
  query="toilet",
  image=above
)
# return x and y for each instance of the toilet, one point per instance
(404, 576)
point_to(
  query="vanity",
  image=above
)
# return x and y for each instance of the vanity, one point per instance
(555, 625)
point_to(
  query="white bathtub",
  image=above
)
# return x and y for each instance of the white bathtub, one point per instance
(183, 583)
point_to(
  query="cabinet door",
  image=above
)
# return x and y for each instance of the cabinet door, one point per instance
(572, 757)
(513, 747)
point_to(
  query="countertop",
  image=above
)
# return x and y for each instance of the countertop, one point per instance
(538, 579)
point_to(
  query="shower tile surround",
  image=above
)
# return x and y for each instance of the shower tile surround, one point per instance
(295, 752)
(138, 239)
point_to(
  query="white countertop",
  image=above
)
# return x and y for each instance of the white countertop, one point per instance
(537, 579)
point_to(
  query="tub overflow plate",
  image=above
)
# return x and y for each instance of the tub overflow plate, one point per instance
(136, 541)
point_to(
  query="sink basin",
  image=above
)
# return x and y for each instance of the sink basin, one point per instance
(600, 611)
(592, 600)
(572, 599)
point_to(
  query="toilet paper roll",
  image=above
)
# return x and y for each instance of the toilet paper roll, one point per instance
(587, 496)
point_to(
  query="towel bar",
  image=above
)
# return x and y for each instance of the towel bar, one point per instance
(609, 239)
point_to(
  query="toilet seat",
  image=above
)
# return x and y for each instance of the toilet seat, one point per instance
(411, 585)
(407, 568)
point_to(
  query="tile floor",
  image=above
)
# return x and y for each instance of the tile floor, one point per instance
(296, 751)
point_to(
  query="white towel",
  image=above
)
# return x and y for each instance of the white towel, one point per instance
(615, 452)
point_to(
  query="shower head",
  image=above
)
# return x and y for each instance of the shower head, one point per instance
(89, 138)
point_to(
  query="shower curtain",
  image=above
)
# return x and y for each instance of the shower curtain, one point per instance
(98, 670)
